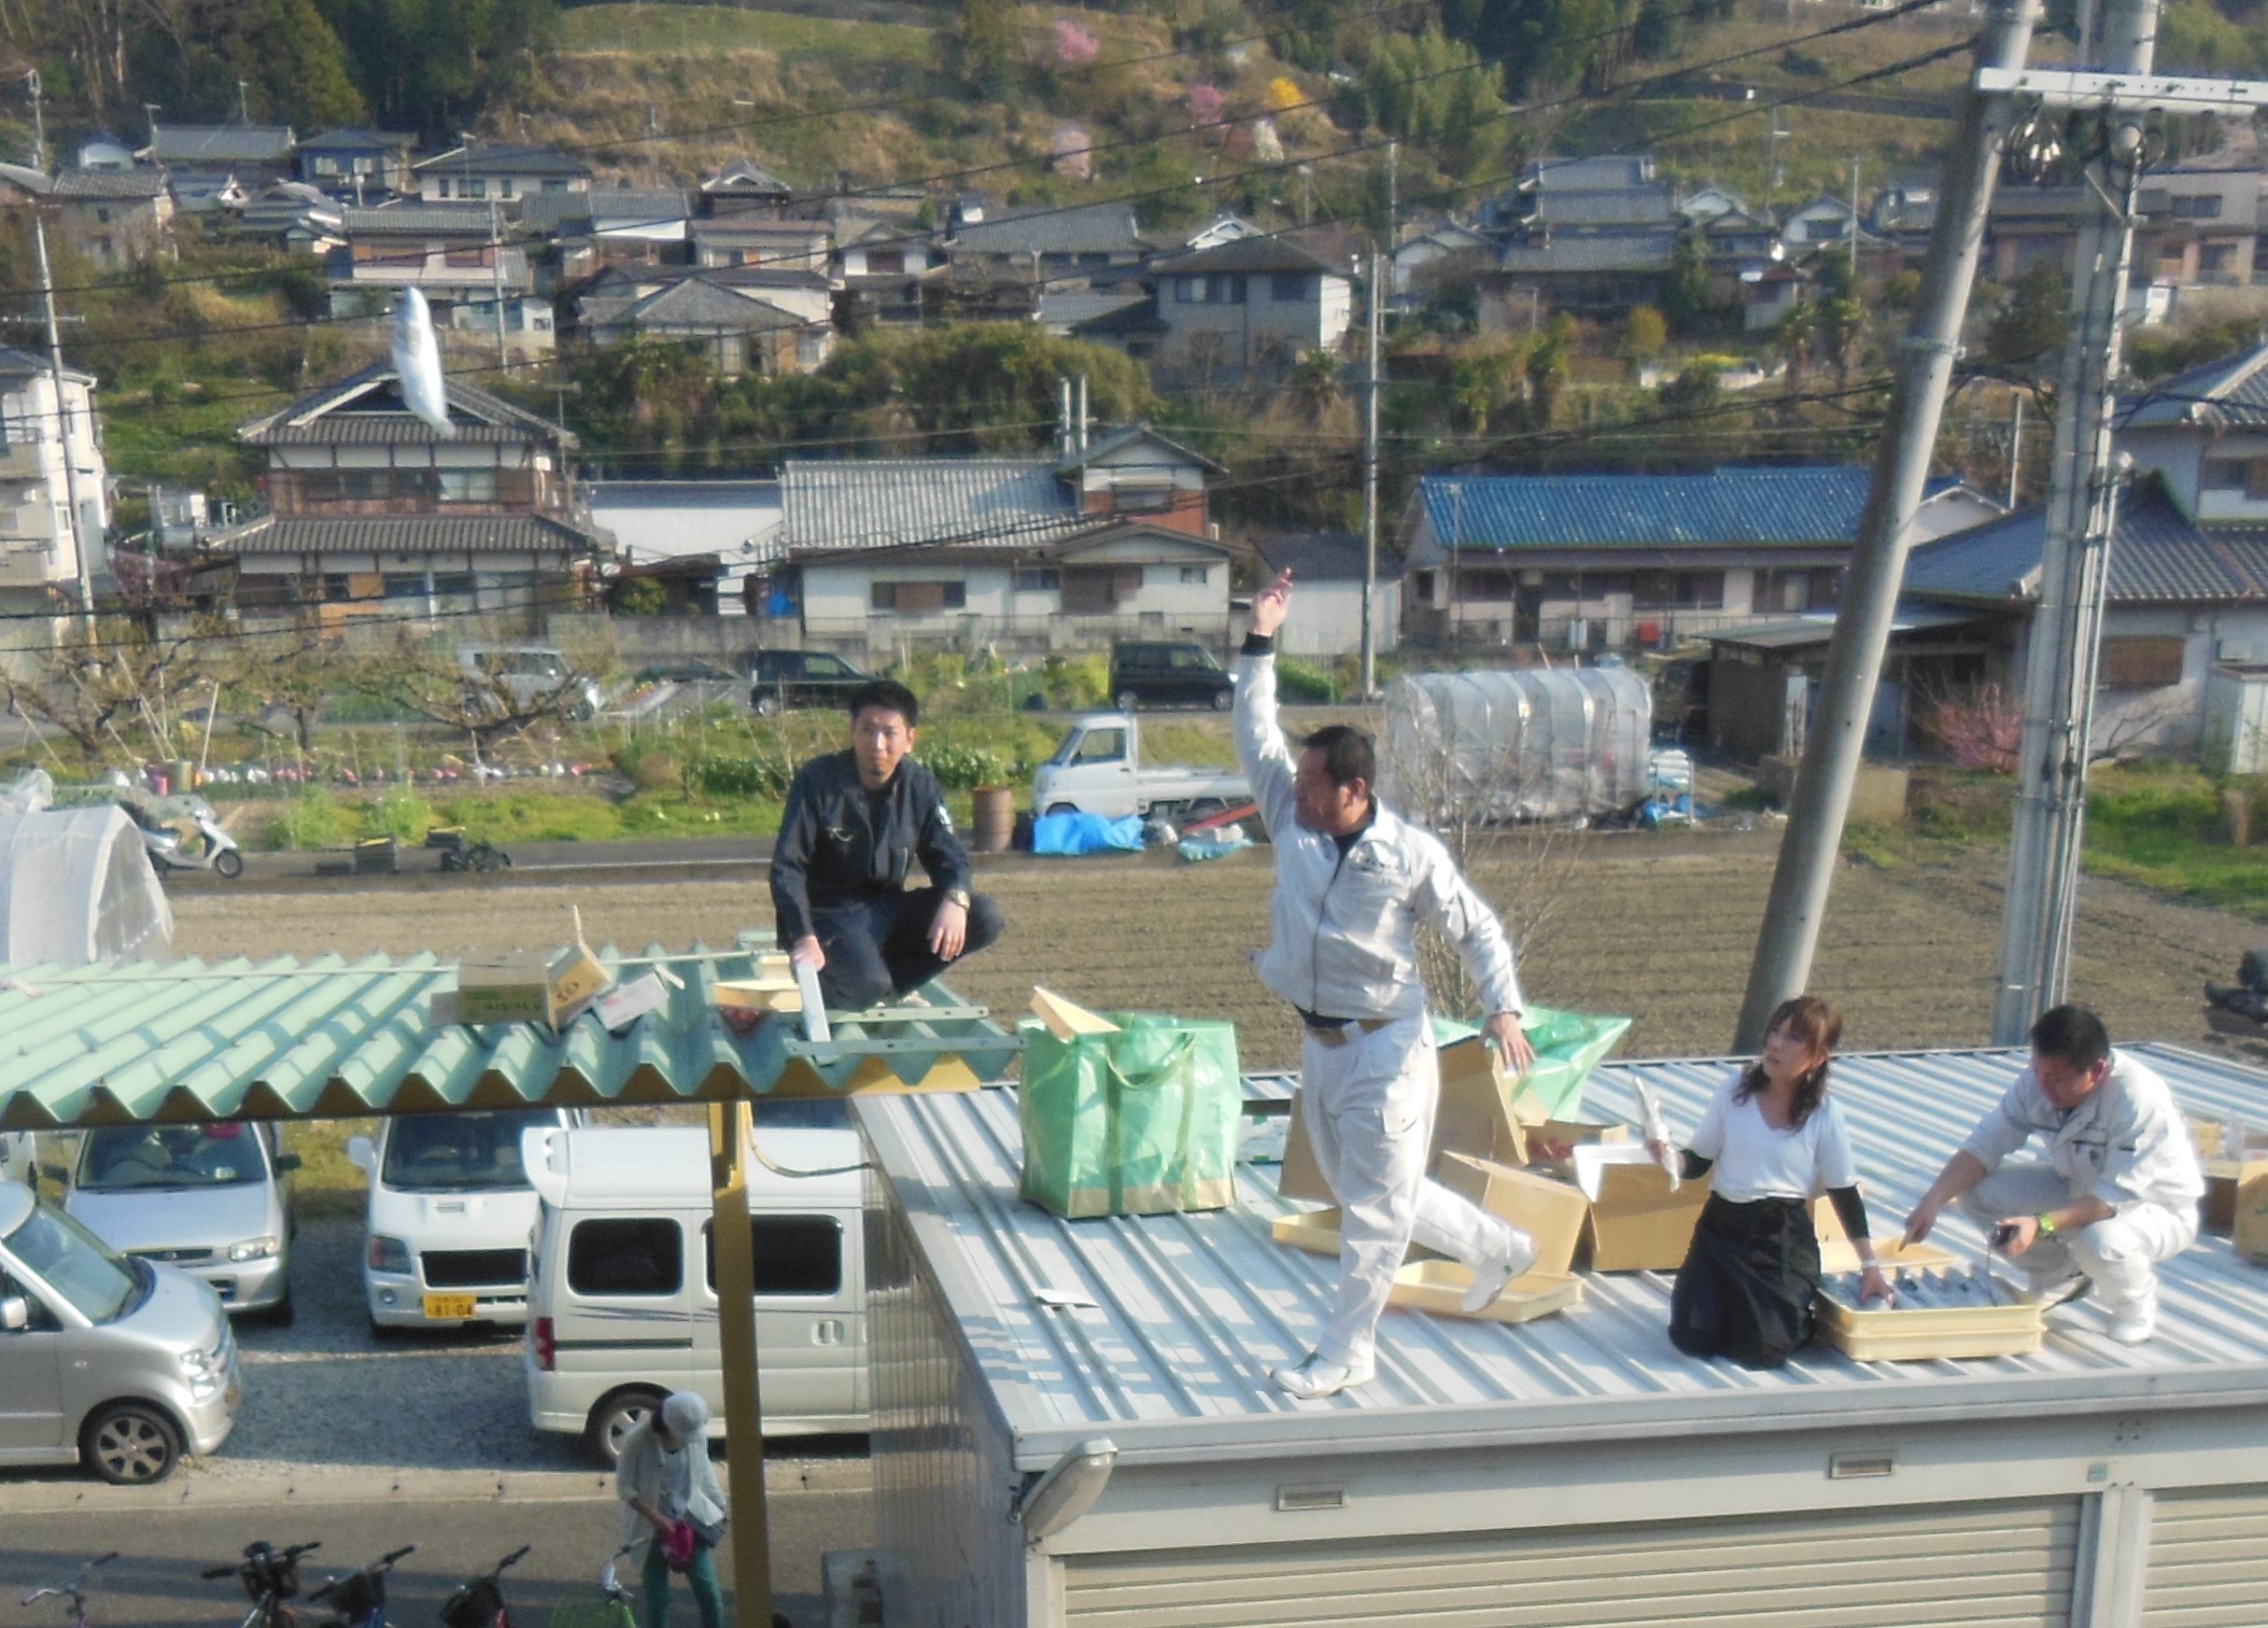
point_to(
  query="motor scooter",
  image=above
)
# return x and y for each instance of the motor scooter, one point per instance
(168, 841)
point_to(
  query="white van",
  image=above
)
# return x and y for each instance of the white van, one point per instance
(450, 1216)
(623, 1306)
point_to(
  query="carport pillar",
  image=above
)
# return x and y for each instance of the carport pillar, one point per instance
(730, 1130)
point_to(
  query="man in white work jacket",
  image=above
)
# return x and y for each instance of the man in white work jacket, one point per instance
(2118, 1194)
(1352, 883)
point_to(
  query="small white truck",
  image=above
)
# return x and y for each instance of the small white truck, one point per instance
(1098, 769)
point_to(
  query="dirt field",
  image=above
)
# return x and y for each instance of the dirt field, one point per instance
(1657, 927)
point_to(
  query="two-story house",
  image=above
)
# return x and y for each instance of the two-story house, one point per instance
(484, 171)
(356, 166)
(1245, 312)
(745, 188)
(1106, 541)
(206, 161)
(114, 218)
(456, 254)
(39, 430)
(372, 514)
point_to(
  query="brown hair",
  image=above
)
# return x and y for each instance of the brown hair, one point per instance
(1815, 1021)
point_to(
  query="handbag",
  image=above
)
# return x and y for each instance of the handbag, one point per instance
(1141, 1120)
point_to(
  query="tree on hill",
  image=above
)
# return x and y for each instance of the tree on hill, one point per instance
(434, 66)
(194, 53)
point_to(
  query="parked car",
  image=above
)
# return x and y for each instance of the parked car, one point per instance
(527, 675)
(622, 1310)
(213, 1200)
(1098, 770)
(780, 680)
(18, 1161)
(118, 1363)
(1168, 675)
(450, 1213)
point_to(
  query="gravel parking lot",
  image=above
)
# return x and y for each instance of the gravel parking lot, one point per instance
(325, 1393)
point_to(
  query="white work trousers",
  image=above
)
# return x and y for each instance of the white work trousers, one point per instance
(1368, 1107)
(2118, 1253)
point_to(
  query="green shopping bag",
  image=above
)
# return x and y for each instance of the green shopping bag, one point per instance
(1142, 1122)
(1569, 1045)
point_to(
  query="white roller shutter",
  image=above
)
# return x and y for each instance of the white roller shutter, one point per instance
(1969, 1565)
(2208, 1560)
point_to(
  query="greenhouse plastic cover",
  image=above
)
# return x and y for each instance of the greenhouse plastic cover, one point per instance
(77, 887)
(1535, 743)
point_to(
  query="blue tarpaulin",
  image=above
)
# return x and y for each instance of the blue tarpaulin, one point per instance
(1085, 834)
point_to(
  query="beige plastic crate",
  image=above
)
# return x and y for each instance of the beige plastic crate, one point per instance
(1925, 1334)
(1437, 1285)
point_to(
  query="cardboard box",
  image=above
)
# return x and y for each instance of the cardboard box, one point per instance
(1437, 1286)
(758, 995)
(2249, 1227)
(511, 988)
(625, 1004)
(1551, 1213)
(1924, 1334)
(1636, 1222)
(2232, 1154)
(1475, 1116)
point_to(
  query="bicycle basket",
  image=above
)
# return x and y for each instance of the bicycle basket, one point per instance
(359, 1598)
(477, 1604)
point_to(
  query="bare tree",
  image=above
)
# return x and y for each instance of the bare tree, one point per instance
(1490, 804)
(289, 681)
(100, 689)
(488, 705)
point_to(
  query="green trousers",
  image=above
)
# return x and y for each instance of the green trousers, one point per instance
(708, 1599)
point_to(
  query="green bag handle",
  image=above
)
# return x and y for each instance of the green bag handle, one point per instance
(1116, 1080)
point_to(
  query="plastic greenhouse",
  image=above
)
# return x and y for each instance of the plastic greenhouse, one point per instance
(1537, 743)
(77, 887)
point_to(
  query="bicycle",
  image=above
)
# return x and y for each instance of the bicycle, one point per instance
(75, 1590)
(358, 1599)
(479, 1603)
(270, 1577)
(610, 1605)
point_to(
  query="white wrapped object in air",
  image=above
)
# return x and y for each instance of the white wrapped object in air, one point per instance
(418, 363)
(1656, 1129)
(1533, 743)
(77, 887)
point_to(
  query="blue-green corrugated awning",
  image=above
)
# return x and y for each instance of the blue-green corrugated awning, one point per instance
(331, 1038)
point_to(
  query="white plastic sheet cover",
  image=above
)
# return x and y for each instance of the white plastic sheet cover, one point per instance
(77, 887)
(1533, 743)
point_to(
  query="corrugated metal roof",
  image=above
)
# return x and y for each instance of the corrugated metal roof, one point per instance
(1818, 627)
(329, 1039)
(1188, 1311)
(2158, 556)
(887, 503)
(1803, 505)
(407, 534)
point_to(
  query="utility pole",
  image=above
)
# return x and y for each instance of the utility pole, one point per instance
(2065, 637)
(63, 420)
(1370, 484)
(496, 281)
(2016, 445)
(1854, 228)
(1822, 799)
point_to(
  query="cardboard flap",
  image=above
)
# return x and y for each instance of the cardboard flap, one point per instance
(1067, 1020)
(1549, 1211)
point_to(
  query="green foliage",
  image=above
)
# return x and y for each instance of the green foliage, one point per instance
(962, 768)
(435, 65)
(2153, 354)
(2028, 328)
(1698, 387)
(2198, 35)
(403, 815)
(1685, 293)
(1076, 682)
(981, 47)
(1644, 334)
(1303, 681)
(1429, 89)
(639, 597)
(740, 775)
(314, 818)
(2163, 827)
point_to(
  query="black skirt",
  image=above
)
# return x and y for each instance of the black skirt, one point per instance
(1746, 1287)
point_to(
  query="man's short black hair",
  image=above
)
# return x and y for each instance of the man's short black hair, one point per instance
(2071, 1034)
(891, 697)
(1348, 753)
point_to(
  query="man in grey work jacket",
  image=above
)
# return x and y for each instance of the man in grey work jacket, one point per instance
(1352, 882)
(854, 824)
(2119, 1192)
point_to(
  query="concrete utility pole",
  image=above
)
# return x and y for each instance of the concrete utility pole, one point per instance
(55, 371)
(495, 282)
(1369, 484)
(1831, 753)
(2066, 630)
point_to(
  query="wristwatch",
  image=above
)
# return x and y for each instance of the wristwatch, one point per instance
(2045, 1221)
(957, 897)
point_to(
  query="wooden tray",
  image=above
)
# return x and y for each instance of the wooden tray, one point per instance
(1927, 1334)
(1437, 1286)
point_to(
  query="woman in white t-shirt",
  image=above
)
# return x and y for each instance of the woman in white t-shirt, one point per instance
(1772, 1142)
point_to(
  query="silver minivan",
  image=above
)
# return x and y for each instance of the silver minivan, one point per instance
(115, 1363)
(214, 1199)
(623, 1307)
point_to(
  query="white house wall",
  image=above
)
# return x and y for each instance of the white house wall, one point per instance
(43, 516)
(1330, 619)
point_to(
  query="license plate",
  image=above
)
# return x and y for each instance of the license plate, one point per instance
(450, 1307)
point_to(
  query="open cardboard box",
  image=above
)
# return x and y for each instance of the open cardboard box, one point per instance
(2232, 1154)
(1475, 1116)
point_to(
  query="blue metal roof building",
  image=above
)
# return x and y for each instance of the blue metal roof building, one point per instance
(1758, 506)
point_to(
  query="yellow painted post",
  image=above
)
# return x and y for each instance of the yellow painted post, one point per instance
(729, 1131)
